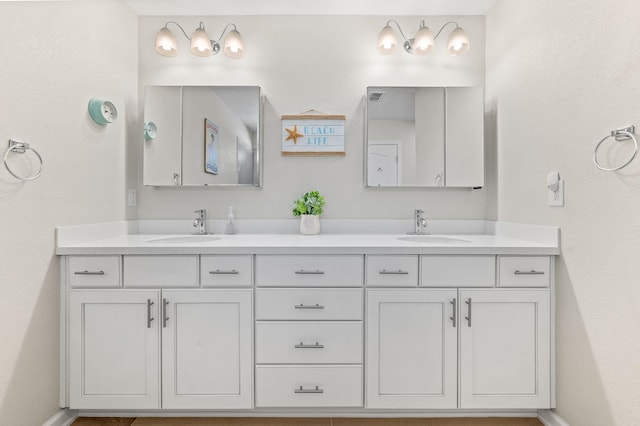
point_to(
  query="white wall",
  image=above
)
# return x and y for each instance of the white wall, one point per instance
(561, 76)
(54, 57)
(323, 63)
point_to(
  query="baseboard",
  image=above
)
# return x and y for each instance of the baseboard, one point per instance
(64, 417)
(549, 418)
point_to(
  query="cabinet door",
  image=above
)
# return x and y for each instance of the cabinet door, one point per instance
(411, 349)
(504, 349)
(114, 353)
(207, 349)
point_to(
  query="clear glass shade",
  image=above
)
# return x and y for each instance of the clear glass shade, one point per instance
(458, 42)
(387, 41)
(233, 45)
(166, 44)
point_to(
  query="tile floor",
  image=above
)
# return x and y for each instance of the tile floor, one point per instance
(264, 421)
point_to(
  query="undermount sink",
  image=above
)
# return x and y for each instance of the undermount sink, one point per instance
(184, 239)
(433, 239)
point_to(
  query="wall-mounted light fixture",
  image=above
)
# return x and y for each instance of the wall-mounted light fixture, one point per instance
(201, 44)
(424, 41)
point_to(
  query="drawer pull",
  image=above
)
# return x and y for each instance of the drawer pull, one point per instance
(304, 272)
(455, 314)
(468, 317)
(303, 390)
(89, 273)
(398, 272)
(303, 346)
(531, 272)
(219, 272)
(301, 306)
(165, 318)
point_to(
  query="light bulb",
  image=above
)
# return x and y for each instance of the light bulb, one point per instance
(387, 41)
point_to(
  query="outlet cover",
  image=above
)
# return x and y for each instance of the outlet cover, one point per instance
(556, 199)
(132, 198)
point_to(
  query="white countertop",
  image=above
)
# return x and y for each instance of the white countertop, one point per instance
(118, 239)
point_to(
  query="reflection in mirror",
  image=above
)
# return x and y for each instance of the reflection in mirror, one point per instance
(414, 136)
(206, 136)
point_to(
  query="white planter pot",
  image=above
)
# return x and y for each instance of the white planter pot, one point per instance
(309, 224)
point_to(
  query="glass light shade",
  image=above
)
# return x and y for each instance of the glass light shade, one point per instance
(458, 42)
(424, 42)
(233, 45)
(201, 43)
(166, 44)
(387, 41)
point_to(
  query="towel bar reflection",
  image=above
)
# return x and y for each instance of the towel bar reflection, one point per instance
(20, 148)
(620, 135)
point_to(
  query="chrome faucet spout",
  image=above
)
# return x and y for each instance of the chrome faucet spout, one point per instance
(420, 222)
(200, 222)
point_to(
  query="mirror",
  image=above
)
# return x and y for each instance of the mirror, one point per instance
(424, 137)
(203, 136)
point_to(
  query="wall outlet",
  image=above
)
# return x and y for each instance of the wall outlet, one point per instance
(556, 198)
(132, 198)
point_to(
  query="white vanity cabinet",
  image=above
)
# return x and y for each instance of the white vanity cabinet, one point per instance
(160, 348)
(462, 347)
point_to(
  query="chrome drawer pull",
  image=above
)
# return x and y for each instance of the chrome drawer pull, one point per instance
(165, 318)
(219, 272)
(468, 317)
(303, 390)
(455, 314)
(89, 273)
(303, 272)
(301, 306)
(303, 346)
(398, 272)
(531, 272)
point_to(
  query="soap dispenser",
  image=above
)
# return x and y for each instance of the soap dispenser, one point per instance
(230, 225)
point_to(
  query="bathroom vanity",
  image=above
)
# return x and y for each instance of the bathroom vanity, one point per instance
(313, 325)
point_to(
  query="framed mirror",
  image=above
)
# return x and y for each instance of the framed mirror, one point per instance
(203, 136)
(424, 137)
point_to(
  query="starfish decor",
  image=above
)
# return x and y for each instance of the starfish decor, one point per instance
(293, 134)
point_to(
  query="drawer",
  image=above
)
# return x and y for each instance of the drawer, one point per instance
(309, 304)
(309, 342)
(160, 271)
(93, 271)
(309, 271)
(524, 271)
(226, 271)
(392, 271)
(308, 386)
(458, 271)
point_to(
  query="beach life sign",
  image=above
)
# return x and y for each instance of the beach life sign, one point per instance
(313, 134)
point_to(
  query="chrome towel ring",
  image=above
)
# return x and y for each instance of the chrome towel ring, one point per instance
(619, 135)
(22, 147)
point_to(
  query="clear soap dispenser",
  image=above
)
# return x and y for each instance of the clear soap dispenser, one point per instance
(230, 229)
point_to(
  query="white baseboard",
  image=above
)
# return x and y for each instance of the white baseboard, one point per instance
(549, 418)
(64, 417)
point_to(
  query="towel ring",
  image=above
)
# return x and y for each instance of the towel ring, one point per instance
(21, 147)
(619, 135)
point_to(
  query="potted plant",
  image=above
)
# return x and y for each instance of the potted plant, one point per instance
(309, 208)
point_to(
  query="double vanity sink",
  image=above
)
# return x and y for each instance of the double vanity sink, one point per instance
(288, 324)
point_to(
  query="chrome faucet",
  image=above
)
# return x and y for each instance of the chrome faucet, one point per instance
(200, 223)
(420, 223)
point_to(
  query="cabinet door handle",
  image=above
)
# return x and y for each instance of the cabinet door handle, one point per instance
(398, 272)
(468, 317)
(531, 272)
(303, 346)
(219, 272)
(454, 316)
(89, 273)
(165, 318)
(305, 272)
(149, 317)
(313, 390)
(301, 306)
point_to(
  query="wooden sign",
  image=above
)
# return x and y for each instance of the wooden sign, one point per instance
(313, 134)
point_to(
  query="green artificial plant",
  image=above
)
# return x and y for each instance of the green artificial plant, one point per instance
(310, 203)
